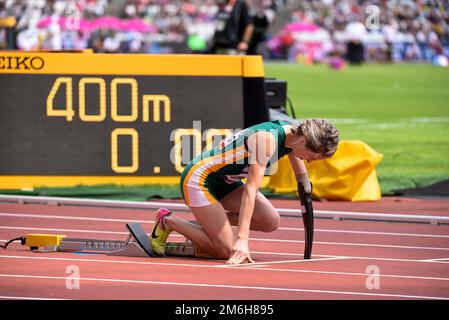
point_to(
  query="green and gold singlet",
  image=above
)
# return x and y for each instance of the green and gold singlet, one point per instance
(216, 172)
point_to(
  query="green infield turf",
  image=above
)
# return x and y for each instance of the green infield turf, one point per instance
(401, 111)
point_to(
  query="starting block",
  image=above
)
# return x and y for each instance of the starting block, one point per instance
(136, 245)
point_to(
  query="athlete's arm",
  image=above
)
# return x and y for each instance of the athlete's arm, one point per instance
(261, 146)
(300, 170)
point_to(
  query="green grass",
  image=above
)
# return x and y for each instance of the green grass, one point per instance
(401, 111)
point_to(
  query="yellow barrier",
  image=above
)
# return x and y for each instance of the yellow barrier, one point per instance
(349, 175)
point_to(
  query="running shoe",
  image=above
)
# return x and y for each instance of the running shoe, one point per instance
(160, 232)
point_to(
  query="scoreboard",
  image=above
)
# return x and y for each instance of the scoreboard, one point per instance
(85, 118)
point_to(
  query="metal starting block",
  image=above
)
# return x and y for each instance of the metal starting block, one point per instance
(136, 245)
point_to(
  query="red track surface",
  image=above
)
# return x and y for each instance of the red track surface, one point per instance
(412, 258)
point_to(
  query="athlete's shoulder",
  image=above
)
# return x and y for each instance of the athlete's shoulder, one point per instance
(281, 122)
(262, 141)
(268, 125)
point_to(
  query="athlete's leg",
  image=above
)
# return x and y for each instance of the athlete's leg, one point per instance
(213, 234)
(265, 216)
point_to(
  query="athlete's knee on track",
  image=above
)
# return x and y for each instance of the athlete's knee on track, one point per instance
(271, 223)
(224, 251)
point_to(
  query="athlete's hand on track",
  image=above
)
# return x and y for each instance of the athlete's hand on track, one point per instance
(241, 253)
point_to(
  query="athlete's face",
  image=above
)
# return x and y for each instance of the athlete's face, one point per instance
(301, 151)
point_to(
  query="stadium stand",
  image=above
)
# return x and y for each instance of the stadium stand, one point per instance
(400, 30)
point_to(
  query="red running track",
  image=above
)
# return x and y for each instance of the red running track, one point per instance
(351, 259)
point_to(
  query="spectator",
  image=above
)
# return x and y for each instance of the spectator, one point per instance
(355, 32)
(261, 23)
(234, 28)
(53, 39)
(409, 30)
(111, 43)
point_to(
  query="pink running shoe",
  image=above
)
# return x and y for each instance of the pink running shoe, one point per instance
(160, 232)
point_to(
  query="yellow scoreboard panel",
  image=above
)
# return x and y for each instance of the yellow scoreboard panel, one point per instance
(84, 118)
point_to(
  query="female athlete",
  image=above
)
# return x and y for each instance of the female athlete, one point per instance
(212, 188)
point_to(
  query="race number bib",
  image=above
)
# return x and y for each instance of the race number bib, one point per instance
(227, 141)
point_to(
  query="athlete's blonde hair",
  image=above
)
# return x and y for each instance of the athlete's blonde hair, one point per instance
(320, 134)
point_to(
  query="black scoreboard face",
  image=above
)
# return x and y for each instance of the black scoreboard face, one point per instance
(101, 124)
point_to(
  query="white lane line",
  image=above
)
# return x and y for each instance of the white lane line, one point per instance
(44, 216)
(117, 261)
(352, 274)
(177, 206)
(301, 254)
(368, 215)
(175, 235)
(332, 256)
(220, 266)
(302, 241)
(349, 257)
(64, 230)
(351, 244)
(180, 206)
(371, 232)
(28, 298)
(281, 262)
(436, 260)
(333, 243)
(281, 228)
(223, 286)
(152, 221)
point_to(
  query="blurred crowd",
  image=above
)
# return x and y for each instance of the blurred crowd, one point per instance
(38, 24)
(394, 30)
(390, 30)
